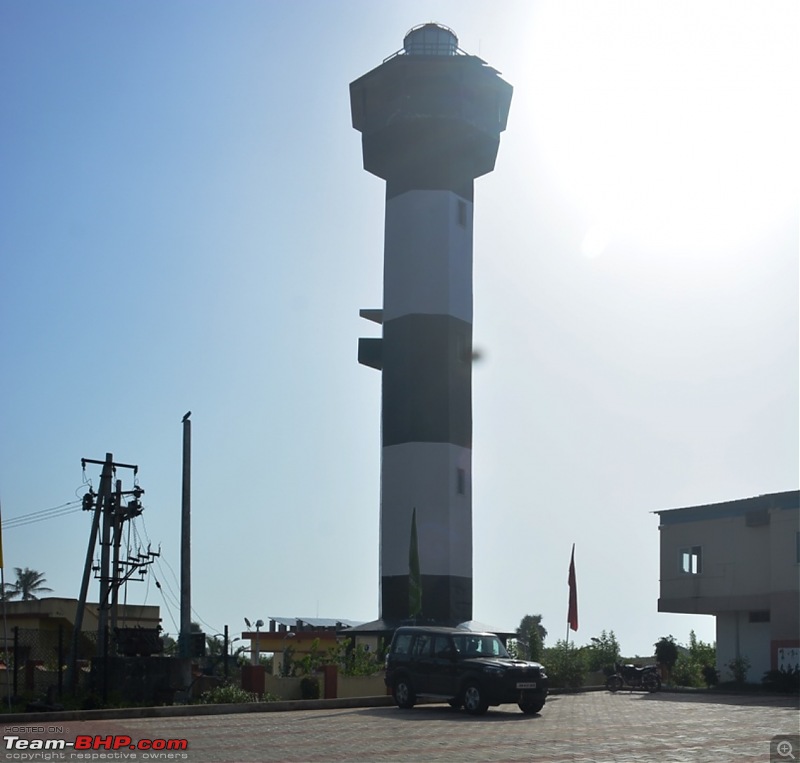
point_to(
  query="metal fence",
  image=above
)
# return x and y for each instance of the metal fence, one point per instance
(33, 661)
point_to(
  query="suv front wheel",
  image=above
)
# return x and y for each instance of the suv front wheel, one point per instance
(531, 706)
(403, 693)
(474, 701)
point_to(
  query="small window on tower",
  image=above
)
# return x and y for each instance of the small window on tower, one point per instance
(461, 481)
(462, 213)
(691, 560)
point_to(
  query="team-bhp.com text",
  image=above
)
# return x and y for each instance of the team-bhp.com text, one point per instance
(88, 747)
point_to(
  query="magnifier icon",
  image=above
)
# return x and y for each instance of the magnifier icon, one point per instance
(785, 749)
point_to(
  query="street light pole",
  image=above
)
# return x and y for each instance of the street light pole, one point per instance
(254, 651)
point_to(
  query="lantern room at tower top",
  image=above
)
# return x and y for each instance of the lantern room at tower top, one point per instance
(430, 111)
(430, 40)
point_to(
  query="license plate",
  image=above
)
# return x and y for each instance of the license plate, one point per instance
(526, 684)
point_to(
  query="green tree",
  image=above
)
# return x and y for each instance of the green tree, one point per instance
(695, 666)
(530, 637)
(603, 652)
(700, 652)
(355, 659)
(28, 585)
(667, 653)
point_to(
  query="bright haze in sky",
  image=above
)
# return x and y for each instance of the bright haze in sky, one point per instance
(185, 224)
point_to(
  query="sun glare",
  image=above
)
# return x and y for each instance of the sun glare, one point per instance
(671, 123)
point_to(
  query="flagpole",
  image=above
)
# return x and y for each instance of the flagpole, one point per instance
(572, 610)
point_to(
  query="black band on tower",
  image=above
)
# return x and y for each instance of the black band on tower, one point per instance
(427, 380)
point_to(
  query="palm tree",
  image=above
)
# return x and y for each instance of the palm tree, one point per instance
(29, 583)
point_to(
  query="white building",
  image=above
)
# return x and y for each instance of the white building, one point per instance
(739, 561)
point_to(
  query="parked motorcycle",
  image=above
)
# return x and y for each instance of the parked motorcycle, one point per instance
(634, 677)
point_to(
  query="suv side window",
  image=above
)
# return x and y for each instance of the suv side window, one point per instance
(443, 647)
(422, 645)
(402, 644)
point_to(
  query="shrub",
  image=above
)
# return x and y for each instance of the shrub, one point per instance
(785, 681)
(739, 667)
(227, 694)
(710, 675)
(359, 661)
(565, 665)
(686, 672)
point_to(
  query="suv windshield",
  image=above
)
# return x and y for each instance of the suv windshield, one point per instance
(472, 645)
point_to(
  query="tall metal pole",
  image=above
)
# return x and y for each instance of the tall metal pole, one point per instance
(225, 652)
(186, 540)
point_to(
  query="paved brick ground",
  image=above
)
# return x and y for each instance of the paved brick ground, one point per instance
(597, 727)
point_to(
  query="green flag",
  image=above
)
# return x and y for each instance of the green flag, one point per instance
(414, 579)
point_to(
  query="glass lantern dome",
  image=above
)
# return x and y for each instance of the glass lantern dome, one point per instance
(430, 40)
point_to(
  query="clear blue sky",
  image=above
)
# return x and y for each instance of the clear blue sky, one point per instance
(185, 225)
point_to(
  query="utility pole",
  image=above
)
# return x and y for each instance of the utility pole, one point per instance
(186, 542)
(102, 496)
(105, 547)
(109, 516)
(116, 538)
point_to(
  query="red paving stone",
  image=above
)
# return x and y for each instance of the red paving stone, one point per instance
(595, 727)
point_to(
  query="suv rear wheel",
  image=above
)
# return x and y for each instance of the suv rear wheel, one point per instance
(403, 693)
(474, 701)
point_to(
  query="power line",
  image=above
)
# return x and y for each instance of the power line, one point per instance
(40, 516)
(172, 593)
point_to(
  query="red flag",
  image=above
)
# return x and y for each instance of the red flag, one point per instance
(572, 613)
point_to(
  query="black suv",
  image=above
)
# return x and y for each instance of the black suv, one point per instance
(463, 668)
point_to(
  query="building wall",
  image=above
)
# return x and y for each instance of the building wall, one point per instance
(735, 566)
(746, 561)
(747, 574)
(51, 611)
(737, 637)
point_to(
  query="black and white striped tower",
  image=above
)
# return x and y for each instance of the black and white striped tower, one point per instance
(430, 118)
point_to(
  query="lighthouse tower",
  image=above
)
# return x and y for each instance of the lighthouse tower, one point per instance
(430, 119)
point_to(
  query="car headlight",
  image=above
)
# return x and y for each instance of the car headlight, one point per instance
(494, 669)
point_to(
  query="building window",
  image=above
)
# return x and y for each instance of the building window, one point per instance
(691, 560)
(461, 481)
(759, 616)
(462, 213)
